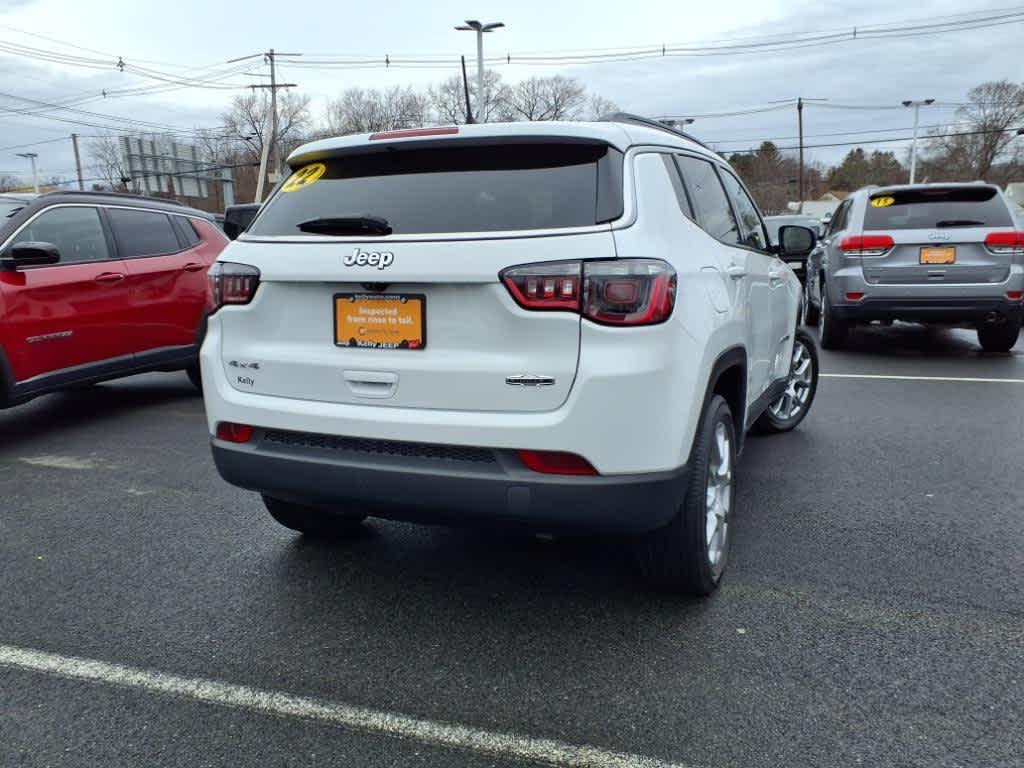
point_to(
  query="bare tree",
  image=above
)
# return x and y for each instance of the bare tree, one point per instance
(364, 111)
(448, 99)
(600, 106)
(547, 98)
(106, 161)
(11, 183)
(247, 122)
(992, 110)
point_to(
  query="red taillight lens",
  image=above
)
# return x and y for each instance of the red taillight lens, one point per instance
(1005, 242)
(613, 292)
(854, 295)
(410, 133)
(866, 245)
(230, 283)
(230, 432)
(1015, 295)
(556, 463)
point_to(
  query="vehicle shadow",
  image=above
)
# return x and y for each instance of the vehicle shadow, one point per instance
(909, 340)
(63, 411)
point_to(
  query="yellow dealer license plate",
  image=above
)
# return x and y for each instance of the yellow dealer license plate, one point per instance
(938, 255)
(380, 320)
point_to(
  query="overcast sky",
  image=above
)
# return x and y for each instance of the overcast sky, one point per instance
(199, 33)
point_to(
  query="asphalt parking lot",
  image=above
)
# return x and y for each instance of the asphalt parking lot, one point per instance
(873, 613)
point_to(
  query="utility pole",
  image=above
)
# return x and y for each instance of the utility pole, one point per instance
(35, 175)
(78, 161)
(800, 124)
(271, 146)
(480, 29)
(913, 144)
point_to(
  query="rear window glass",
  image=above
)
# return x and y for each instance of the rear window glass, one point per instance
(931, 208)
(456, 189)
(143, 233)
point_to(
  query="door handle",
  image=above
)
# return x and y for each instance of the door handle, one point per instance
(193, 267)
(774, 277)
(109, 277)
(736, 271)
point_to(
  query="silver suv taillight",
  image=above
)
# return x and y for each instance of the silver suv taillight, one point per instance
(610, 292)
(230, 284)
(1008, 243)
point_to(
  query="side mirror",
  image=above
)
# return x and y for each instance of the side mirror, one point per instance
(29, 254)
(796, 243)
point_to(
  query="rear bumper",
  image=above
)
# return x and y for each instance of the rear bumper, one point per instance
(422, 483)
(946, 310)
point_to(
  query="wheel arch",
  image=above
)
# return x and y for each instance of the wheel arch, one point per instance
(728, 378)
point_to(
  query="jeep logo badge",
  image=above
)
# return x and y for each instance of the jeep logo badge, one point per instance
(361, 258)
(938, 236)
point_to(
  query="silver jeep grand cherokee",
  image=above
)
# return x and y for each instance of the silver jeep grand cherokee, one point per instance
(929, 253)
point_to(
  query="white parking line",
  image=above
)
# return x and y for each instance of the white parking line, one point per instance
(919, 378)
(390, 724)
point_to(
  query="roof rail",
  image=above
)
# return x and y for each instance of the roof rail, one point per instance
(627, 117)
(103, 193)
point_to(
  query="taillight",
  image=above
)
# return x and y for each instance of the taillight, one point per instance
(1005, 242)
(230, 284)
(411, 133)
(230, 432)
(556, 463)
(866, 245)
(613, 292)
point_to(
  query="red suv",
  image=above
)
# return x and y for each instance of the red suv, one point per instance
(96, 286)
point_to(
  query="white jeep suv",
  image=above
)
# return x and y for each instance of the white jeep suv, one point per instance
(553, 325)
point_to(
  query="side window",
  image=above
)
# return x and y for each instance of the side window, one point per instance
(76, 231)
(714, 214)
(838, 223)
(752, 232)
(677, 187)
(143, 233)
(187, 231)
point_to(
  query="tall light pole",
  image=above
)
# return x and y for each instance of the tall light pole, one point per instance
(35, 176)
(913, 144)
(476, 26)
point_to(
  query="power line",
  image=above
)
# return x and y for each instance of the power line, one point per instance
(876, 141)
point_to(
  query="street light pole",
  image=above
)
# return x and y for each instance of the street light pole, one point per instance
(913, 144)
(35, 176)
(480, 29)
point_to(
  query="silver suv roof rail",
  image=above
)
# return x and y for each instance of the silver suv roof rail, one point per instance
(628, 117)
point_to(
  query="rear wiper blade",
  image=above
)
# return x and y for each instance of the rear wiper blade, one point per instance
(346, 225)
(959, 223)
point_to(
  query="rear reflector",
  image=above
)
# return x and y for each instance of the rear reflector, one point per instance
(866, 245)
(1015, 295)
(854, 295)
(230, 432)
(411, 133)
(556, 463)
(1005, 242)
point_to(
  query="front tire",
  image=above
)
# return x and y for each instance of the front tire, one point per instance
(789, 410)
(999, 337)
(833, 332)
(689, 555)
(312, 521)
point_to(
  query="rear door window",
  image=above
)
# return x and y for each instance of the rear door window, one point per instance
(936, 208)
(506, 187)
(143, 233)
(752, 232)
(714, 214)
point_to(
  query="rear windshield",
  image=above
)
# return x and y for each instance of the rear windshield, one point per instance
(455, 189)
(937, 208)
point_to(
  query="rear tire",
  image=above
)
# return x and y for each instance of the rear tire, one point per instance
(833, 332)
(999, 338)
(314, 522)
(195, 377)
(789, 410)
(688, 556)
(810, 312)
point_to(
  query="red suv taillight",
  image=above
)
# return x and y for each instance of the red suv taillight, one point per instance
(230, 283)
(556, 463)
(866, 245)
(612, 292)
(230, 432)
(1005, 242)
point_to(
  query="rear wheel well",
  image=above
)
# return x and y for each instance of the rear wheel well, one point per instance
(732, 385)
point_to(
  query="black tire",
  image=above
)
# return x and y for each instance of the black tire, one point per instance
(676, 558)
(833, 332)
(195, 377)
(809, 312)
(999, 337)
(773, 422)
(314, 522)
